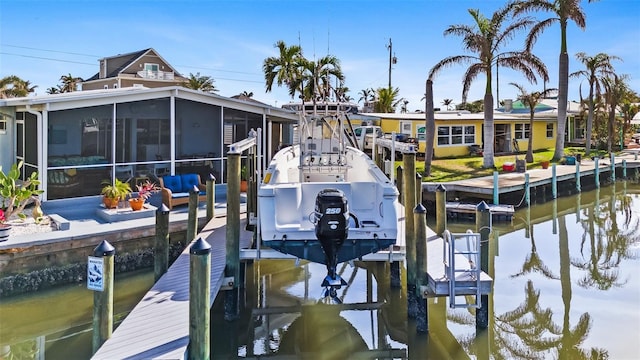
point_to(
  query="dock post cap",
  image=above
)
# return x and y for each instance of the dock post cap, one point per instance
(212, 178)
(200, 247)
(104, 249)
(482, 206)
(419, 209)
(194, 189)
(441, 188)
(163, 209)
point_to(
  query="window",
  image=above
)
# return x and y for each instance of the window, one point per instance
(549, 130)
(3, 124)
(151, 67)
(522, 131)
(456, 135)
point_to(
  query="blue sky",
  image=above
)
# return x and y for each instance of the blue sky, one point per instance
(229, 40)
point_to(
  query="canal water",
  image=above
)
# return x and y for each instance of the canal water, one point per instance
(566, 286)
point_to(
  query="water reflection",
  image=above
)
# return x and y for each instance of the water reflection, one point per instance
(565, 287)
(563, 279)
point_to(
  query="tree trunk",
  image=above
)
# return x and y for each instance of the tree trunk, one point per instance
(430, 128)
(487, 155)
(529, 157)
(563, 88)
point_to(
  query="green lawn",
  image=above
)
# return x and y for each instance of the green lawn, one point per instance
(445, 170)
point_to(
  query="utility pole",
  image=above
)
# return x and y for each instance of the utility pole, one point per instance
(392, 59)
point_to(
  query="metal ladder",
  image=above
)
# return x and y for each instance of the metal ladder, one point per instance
(468, 245)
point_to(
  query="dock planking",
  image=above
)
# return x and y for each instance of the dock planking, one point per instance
(158, 327)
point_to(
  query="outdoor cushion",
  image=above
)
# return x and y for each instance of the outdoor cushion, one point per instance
(173, 183)
(189, 181)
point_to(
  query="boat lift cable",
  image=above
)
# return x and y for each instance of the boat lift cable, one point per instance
(351, 133)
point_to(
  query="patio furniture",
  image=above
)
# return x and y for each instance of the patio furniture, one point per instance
(175, 189)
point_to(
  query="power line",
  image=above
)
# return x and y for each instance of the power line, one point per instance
(47, 50)
(46, 58)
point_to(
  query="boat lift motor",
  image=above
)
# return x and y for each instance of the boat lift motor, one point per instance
(332, 229)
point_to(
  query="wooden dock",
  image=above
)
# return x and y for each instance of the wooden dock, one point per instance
(158, 327)
(512, 183)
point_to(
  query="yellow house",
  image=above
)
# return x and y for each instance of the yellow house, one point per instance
(459, 131)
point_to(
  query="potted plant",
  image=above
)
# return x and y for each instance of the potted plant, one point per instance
(114, 193)
(5, 229)
(16, 195)
(144, 192)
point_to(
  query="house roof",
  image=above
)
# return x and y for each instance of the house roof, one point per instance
(129, 59)
(548, 105)
(76, 99)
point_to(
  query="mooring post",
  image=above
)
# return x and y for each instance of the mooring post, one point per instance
(418, 188)
(161, 246)
(578, 186)
(192, 217)
(441, 209)
(409, 162)
(422, 313)
(527, 190)
(232, 268)
(613, 167)
(596, 172)
(199, 295)
(496, 194)
(624, 168)
(211, 197)
(483, 227)
(102, 295)
(399, 183)
(554, 182)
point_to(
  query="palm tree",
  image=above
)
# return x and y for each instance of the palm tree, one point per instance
(562, 11)
(485, 39)
(386, 100)
(615, 90)
(596, 67)
(69, 83)
(531, 100)
(13, 86)
(53, 90)
(200, 83)
(248, 94)
(447, 102)
(318, 76)
(283, 69)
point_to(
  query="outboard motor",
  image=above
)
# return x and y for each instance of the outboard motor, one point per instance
(332, 228)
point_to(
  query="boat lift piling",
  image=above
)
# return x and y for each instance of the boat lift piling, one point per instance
(441, 209)
(421, 311)
(409, 180)
(232, 264)
(483, 227)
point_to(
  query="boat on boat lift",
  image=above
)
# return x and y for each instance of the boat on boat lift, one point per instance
(324, 200)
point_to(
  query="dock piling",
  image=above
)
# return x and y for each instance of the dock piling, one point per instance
(232, 265)
(578, 186)
(624, 169)
(103, 299)
(441, 209)
(527, 190)
(613, 167)
(496, 194)
(409, 162)
(483, 227)
(421, 311)
(211, 197)
(554, 182)
(199, 289)
(161, 246)
(399, 183)
(192, 217)
(596, 172)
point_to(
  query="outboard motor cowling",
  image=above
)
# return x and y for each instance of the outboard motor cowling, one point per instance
(332, 229)
(332, 215)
